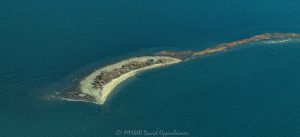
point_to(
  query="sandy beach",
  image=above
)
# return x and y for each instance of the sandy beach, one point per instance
(101, 95)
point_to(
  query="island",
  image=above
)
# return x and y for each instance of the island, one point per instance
(98, 85)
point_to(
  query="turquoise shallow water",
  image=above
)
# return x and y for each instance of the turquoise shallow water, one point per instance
(248, 91)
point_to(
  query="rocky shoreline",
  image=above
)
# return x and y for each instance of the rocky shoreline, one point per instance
(224, 46)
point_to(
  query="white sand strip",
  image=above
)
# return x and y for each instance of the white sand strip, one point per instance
(100, 96)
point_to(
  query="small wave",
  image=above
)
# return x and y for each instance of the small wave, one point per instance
(278, 41)
(75, 100)
(60, 98)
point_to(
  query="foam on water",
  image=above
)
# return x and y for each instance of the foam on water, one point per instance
(278, 41)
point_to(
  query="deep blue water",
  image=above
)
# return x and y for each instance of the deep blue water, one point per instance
(250, 91)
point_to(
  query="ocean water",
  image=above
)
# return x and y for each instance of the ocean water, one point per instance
(248, 91)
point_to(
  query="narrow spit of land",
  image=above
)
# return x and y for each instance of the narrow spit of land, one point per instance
(97, 86)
